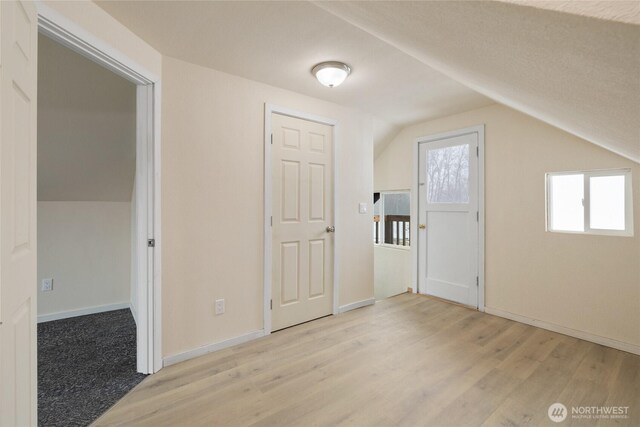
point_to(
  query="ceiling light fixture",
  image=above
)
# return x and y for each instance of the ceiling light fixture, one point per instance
(332, 73)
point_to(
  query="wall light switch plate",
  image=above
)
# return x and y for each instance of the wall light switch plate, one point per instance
(362, 208)
(46, 285)
(220, 306)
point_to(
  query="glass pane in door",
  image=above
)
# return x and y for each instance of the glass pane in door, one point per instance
(448, 174)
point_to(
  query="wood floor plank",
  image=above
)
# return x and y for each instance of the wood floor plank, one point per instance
(408, 360)
(527, 404)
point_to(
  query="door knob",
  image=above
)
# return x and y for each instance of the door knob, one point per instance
(331, 229)
(422, 226)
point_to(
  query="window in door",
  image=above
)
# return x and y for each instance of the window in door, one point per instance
(590, 202)
(448, 174)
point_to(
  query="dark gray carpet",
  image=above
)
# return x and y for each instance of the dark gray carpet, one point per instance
(85, 365)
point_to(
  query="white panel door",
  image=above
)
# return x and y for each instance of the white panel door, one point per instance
(18, 83)
(448, 219)
(302, 206)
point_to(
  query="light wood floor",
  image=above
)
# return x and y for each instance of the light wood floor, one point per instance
(408, 360)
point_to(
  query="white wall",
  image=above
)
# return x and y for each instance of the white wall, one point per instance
(85, 248)
(86, 128)
(212, 202)
(392, 271)
(212, 175)
(586, 283)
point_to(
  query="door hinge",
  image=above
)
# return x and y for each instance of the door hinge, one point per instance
(272, 221)
(477, 151)
(271, 304)
(477, 281)
(478, 216)
(271, 139)
(151, 243)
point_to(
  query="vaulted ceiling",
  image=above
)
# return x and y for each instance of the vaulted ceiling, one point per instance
(414, 61)
(575, 72)
(278, 43)
(618, 10)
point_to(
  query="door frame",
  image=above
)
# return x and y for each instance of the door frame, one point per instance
(148, 100)
(269, 110)
(479, 129)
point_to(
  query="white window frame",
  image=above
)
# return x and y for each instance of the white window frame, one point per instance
(587, 174)
(390, 245)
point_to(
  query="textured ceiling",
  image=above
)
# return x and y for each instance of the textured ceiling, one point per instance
(572, 66)
(618, 10)
(279, 42)
(577, 73)
(86, 128)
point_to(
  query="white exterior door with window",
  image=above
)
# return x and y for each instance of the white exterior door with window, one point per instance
(302, 206)
(18, 91)
(448, 227)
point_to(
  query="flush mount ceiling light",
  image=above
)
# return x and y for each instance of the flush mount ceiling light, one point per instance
(332, 73)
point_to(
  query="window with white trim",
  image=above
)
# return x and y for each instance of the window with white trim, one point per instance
(391, 218)
(590, 202)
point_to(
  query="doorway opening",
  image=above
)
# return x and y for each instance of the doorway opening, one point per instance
(449, 188)
(392, 243)
(98, 241)
(87, 300)
(21, 22)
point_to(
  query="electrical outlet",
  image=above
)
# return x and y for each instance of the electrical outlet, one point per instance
(220, 306)
(47, 285)
(362, 208)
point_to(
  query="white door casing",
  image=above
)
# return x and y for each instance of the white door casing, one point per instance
(18, 126)
(449, 242)
(144, 230)
(302, 210)
(148, 173)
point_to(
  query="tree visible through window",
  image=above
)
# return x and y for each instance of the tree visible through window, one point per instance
(448, 174)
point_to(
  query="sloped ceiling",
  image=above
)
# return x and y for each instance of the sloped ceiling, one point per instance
(571, 64)
(578, 73)
(278, 43)
(86, 128)
(618, 10)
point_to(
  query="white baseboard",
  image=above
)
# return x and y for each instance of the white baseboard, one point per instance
(609, 342)
(81, 312)
(357, 304)
(210, 348)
